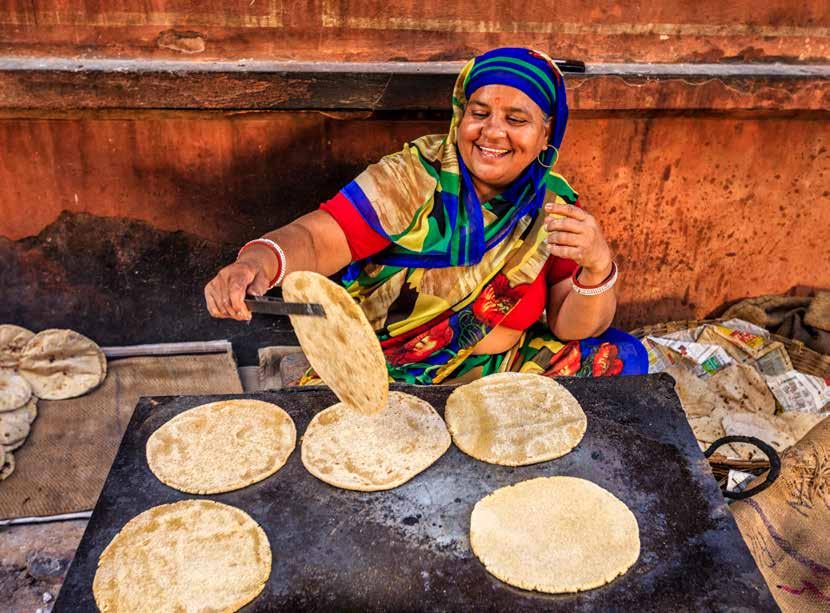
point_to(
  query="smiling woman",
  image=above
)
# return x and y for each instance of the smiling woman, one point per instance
(455, 246)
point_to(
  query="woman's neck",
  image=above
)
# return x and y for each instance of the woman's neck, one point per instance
(484, 191)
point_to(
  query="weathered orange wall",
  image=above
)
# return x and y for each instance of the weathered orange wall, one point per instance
(701, 210)
(351, 30)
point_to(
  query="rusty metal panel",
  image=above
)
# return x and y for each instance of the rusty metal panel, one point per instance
(701, 210)
(409, 30)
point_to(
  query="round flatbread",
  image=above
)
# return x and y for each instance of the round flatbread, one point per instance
(12, 340)
(16, 425)
(192, 555)
(61, 364)
(15, 391)
(341, 347)
(7, 468)
(554, 534)
(221, 446)
(367, 453)
(514, 419)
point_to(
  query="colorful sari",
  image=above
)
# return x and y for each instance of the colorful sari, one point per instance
(456, 267)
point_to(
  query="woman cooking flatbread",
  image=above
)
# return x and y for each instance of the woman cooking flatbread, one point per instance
(456, 245)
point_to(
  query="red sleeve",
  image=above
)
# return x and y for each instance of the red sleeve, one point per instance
(560, 269)
(363, 241)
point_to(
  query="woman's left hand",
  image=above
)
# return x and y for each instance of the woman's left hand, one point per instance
(577, 236)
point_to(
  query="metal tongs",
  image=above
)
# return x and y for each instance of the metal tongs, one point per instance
(277, 306)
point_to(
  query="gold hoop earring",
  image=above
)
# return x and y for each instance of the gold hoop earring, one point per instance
(541, 163)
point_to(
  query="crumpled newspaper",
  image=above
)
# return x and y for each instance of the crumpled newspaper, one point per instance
(732, 378)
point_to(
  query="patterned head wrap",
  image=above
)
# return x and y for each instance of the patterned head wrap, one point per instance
(532, 73)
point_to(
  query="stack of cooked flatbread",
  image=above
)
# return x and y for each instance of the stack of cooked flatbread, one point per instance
(54, 365)
(735, 401)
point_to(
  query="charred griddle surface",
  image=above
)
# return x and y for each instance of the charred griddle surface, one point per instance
(408, 549)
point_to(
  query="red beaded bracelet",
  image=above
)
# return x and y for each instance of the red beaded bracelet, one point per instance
(281, 267)
(594, 290)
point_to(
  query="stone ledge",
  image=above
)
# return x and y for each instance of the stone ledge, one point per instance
(65, 84)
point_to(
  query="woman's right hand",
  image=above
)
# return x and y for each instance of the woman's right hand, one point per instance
(225, 294)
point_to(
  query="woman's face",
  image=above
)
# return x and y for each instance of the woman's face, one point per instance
(501, 133)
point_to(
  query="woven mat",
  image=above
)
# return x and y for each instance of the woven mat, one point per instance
(62, 466)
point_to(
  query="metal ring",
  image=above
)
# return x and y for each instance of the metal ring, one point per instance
(772, 455)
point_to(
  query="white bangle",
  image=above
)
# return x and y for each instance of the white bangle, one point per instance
(281, 259)
(595, 290)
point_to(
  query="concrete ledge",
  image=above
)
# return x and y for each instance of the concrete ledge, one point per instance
(65, 84)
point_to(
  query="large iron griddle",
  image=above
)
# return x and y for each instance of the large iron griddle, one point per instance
(408, 549)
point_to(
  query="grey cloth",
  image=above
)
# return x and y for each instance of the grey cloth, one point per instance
(785, 316)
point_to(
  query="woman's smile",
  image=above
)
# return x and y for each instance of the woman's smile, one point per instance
(492, 153)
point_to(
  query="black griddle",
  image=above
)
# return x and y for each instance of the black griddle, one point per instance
(408, 549)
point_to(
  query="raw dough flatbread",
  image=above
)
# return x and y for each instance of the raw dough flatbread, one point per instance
(15, 391)
(341, 347)
(555, 535)
(192, 555)
(12, 340)
(221, 446)
(61, 364)
(367, 453)
(514, 419)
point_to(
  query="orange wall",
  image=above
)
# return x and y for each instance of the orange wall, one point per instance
(350, 30)
(701, 210)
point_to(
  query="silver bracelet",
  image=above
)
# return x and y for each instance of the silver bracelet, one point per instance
(584, 290)
(281, 259)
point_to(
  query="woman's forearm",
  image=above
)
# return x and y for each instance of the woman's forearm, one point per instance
(313, 242)
(581, 316)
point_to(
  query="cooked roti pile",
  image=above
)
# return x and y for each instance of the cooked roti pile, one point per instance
(381, 451)
(555, 535)
(514, 419)
(18, 409)
(53, 364)
(15, 391)
(221, 446)
(342, 347)
(12, 340)
(192, 555)
(61, 364)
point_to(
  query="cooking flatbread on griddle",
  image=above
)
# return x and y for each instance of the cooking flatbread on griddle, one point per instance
(61, 364)
(374, 452)
(191, 555)
(554, 534)
(341, 347)
(221, 446)
(15, 391)
(514, 419)
(12, 340)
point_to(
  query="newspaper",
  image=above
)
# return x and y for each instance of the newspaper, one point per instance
(796, 391)
(707, 359)
(710, 348)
